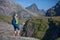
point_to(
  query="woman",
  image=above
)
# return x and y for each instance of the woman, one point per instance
(15, 24)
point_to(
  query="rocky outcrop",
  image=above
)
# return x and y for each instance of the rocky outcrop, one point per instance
(16, 38)
(6, 33)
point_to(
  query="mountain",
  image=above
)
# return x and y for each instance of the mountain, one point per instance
(54, 11)
(33, 8)
(7, 7)
(43, 28)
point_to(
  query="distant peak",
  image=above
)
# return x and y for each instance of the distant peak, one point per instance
(33, 7)
(34, 4)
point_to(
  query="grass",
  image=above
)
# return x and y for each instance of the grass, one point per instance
(58, 39)
(5, 18)
(8, 19)
(41, 25)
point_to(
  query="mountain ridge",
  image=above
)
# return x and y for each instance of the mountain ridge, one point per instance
(33, 8)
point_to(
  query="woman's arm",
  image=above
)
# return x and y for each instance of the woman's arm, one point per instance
(16, 18)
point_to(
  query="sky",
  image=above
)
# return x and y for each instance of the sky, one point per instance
(41, 4)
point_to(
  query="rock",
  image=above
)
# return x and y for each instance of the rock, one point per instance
(6, 33)
(16, 38)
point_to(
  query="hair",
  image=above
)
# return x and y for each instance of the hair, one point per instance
(14, 15)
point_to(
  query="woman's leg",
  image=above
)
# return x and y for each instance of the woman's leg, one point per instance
(19, 29)
(15, 32)
(19, 32)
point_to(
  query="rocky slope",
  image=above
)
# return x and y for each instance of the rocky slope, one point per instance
(6, 33)
(33, 8)
(6, 7)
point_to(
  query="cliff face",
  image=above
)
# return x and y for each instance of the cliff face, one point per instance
(54, 11)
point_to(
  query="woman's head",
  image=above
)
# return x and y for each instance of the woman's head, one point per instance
(15, 14)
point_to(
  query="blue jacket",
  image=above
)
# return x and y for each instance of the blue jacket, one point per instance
(13, 22)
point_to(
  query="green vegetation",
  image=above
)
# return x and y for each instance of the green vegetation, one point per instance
(8, 19)
(56, 20)
(41, 25)
(58, 39)
(5, 18)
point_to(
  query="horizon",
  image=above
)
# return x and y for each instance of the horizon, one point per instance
(41, 4)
